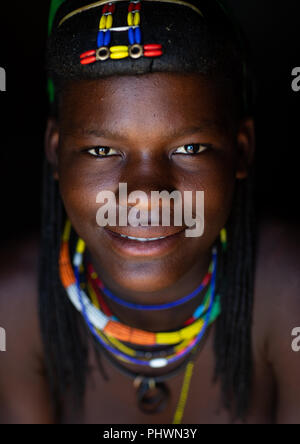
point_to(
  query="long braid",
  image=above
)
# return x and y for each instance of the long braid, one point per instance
(235, 284)
(64, 337)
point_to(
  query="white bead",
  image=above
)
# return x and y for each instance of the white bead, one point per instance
(97, 318)
(73, 296)
(157, 363)
(77, 259)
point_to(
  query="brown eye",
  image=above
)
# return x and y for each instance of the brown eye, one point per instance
(191, 148)
(102, 151)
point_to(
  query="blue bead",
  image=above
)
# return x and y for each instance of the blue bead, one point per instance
(100, 39)
(198, 312)
(131, 36)
(107, 35)
(138, 35)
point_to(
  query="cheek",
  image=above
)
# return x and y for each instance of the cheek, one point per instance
(216, 178)
(79, 186)
(218, 201)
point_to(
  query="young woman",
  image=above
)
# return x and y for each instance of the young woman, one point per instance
(143, 324)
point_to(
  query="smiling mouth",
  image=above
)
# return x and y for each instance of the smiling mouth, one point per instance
(138, 246)
(142, 239)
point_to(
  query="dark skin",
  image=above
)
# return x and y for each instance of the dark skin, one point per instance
(142, 115)
(145, 128)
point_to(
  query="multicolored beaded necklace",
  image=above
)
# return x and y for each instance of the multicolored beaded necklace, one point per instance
(98, 301)
(111, 334)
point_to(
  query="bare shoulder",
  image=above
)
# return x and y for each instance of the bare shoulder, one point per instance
(19, 293)
(277, 282)
(277, 309)
(23, 388)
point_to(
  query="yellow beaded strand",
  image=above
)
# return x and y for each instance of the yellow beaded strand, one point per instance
(184, 393)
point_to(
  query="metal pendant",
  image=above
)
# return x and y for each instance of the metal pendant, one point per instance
(152, 396)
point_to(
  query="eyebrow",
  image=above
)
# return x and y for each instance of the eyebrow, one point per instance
(177, 133)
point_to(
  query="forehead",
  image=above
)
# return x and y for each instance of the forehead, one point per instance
(134, 101)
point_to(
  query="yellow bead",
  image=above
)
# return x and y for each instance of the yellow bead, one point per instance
(223, 235)
(137, 19)
(121, 346)
(80, 246)
(119, 48)
(109, 21)
(182, 345)
(130, 19)
(191, 330)
(67, 231)
(184, 394)
(102, 24)
(167, 338)
(119, 55)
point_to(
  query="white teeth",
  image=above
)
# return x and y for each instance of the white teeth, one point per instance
(143, 239)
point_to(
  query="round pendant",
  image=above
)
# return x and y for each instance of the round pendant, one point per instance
(152, 399)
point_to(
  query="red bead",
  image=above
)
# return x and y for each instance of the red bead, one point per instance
(112, 8)
(100, 298)
(189, 321)
(88, 53)
(206, 279)
(152, 46)
(103, 304)
(100, 284)
(88, 60)
(105, 9)
(104, 307)
(134, 7)
(154, 53)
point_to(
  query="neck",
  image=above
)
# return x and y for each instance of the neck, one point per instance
(158, 320)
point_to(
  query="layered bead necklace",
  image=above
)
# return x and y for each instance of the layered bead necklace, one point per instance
(86, 290)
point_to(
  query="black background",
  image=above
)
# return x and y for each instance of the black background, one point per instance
(272, 28)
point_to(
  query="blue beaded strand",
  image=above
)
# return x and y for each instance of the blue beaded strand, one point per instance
(187, 298)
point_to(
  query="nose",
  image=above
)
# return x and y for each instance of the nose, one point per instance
(144, 177)
(142, 180)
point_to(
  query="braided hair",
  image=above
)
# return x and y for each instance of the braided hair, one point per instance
(210, 45)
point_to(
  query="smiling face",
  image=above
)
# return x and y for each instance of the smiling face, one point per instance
(154, 132)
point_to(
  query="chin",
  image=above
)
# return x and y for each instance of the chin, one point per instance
(146, 278)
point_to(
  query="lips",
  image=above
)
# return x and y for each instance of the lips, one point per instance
(144, 242)
(143, 239)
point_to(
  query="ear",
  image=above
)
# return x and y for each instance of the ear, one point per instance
(245, 147)
(51, 145)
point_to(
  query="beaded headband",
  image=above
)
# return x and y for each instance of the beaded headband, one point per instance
(134, 50)
(104, 50)
(133, 37)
